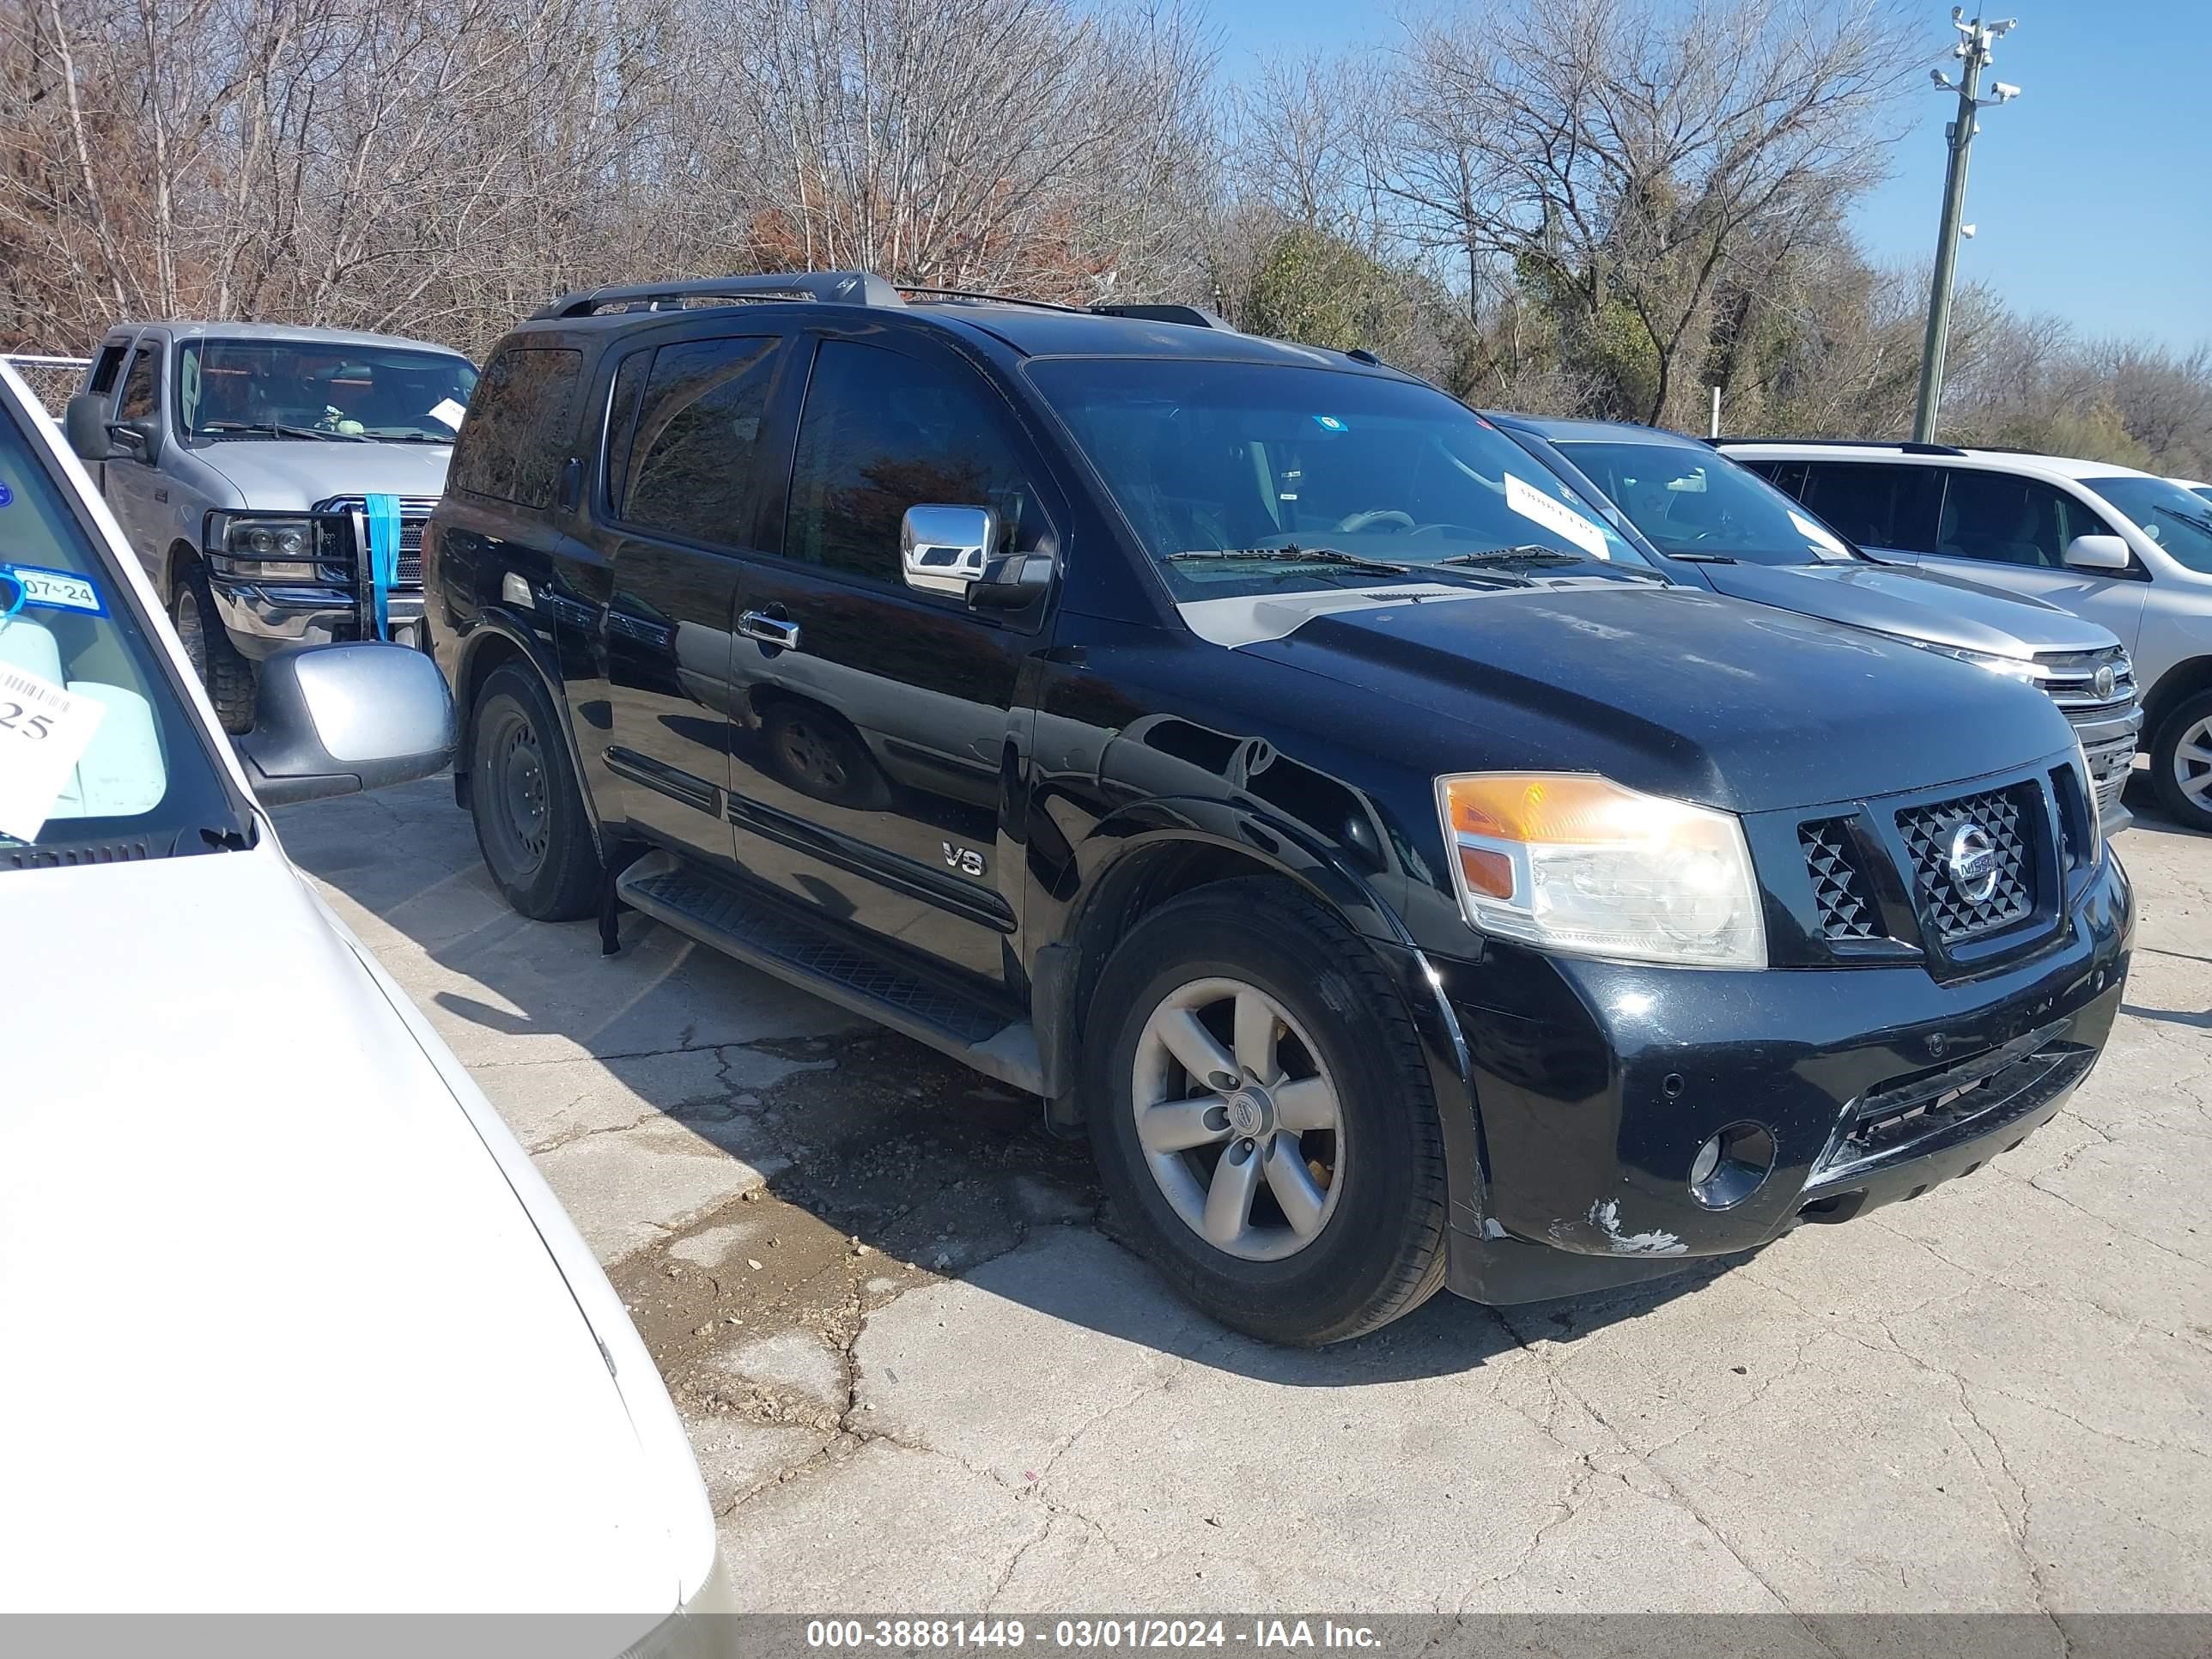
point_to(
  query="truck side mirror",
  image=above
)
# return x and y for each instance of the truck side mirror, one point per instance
(84, 423)
(2097, 553)
(942, 550)
(141, 438)
(331, 720)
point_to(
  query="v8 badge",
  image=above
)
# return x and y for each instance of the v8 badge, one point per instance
(966, 860)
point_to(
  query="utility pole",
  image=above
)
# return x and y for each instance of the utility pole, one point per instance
(1974, 53)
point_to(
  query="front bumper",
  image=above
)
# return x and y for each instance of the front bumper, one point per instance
(1591, 1086)
(262, 620)
(2108, 742)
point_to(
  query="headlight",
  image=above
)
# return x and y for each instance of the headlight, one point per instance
(2012, 668)
(280, 550)
(1578, 863)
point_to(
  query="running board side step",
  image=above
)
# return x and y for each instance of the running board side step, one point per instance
(776, 939)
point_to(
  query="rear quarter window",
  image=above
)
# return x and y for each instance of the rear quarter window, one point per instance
(521, 426)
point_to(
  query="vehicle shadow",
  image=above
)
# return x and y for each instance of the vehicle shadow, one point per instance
(879, 1154)
(2141, 798)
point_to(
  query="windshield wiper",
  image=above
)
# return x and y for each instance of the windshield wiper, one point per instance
(1702, 558)
(282, 430)
(1526, 553)
(409, 437)
(1291, 553)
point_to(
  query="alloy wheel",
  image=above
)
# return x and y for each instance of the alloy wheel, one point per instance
(2192, 764)
(1239, 1120)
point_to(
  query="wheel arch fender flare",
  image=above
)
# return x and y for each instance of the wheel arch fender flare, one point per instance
(1129, 863)
(181, 557)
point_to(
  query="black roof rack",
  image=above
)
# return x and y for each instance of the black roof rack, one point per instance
(1902, 446)
(982, 297)
(1193, 316)
(856, 288)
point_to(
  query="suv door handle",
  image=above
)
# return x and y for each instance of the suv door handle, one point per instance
(769, 630)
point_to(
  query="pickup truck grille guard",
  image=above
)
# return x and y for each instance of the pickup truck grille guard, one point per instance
(344, 553)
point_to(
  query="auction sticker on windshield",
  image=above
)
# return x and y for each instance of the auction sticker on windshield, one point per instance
(1826, 545)
(1533, 503)
(44, 733)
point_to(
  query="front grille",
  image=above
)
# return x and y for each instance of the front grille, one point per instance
(2070, 678)
(1840, 886)
(1953, 909)
(413, 511)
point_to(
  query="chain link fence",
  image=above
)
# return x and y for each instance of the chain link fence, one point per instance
(51, 379)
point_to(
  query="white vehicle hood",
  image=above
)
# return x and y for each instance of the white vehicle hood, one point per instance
(277, 1333)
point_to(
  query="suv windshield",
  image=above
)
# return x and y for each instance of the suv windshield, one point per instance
(2180, 520)
(78, 673)
(1691, 502)
(311, 390)
(1245, 477)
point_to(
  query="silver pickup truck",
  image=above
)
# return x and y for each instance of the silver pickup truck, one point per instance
(241, 459)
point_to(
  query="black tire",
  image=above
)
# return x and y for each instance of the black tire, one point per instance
(543, 860)
(225, 672)
(819, 754)
(2167, 762)
(1379, 1250)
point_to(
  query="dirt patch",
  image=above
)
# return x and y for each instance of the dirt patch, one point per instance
(906, 1167)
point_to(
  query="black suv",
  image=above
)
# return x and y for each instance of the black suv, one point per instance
(1266, 761)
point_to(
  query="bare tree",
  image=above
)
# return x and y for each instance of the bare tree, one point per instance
(1621, 153)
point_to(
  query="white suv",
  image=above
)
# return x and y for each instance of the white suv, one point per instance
(2119, 547)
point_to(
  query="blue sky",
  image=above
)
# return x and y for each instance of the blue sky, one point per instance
(2091, 193)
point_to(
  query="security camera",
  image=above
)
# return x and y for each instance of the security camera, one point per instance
(1966, 231)
(1941, 79)
(1958, 13)
(2006, 92)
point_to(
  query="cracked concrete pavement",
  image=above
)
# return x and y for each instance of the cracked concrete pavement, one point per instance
(921, 1374)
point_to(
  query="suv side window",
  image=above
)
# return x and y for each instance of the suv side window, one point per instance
(1875, 503)
(687, 472)
(882, 432)
(2003, 519)
(519, 427)
(1788, 477)
(141, 393)
(2080, 520)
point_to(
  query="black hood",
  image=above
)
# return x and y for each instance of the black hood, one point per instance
(1672, 690)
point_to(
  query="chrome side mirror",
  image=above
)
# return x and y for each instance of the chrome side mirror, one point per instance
(331, 720)
(2097, 553)
(942, 550)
